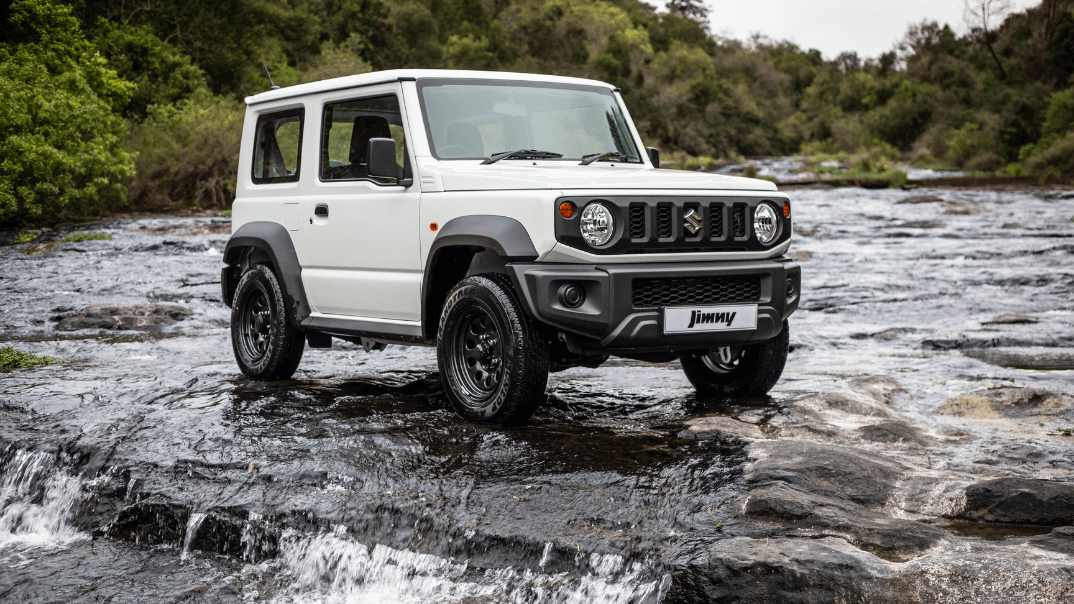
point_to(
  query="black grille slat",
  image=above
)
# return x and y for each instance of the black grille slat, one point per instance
(739, 217)
(663, 222)
(637, 222)
(716, 220)
(682, 291)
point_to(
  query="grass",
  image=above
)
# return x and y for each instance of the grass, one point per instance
(16, 359)
(23, 237)
(84, 236)
(225, 214)
(75, 237)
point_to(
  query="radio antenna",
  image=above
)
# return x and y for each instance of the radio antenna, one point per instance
(273, 84)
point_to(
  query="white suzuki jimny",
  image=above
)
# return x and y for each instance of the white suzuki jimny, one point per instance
(514, 221)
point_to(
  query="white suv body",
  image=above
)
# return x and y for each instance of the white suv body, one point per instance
(373, 258)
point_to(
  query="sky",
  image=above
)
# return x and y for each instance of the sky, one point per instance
(868, 27)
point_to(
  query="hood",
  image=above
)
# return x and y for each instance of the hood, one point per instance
(510, 175)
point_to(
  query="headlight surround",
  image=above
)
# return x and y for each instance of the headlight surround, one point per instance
(765, 223)
(597, 224)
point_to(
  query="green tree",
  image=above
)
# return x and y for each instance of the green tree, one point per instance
(60, 131)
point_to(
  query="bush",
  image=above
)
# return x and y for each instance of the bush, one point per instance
(187, 154)
(60, 135)
(16, 359)
(1049, 158)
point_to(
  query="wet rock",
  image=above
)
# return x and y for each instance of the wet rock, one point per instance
(846, 401)
(893, 433)
(1021, 358)
(804, 231)
(916, 224)
(919, 199)
(123, 317)
(801, 256)
(1011, 319)
(775, 570)
(1020, 501)
(1009, 402)
(706, 428)
(829, 470)
(1060, 540)
(956, 208)
(796, 511)
(880, 387)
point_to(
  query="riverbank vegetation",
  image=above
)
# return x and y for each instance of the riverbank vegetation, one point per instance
(138, 106)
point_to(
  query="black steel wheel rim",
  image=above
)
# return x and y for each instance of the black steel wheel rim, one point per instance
(477, 359)
(256, 328)
(723, 360)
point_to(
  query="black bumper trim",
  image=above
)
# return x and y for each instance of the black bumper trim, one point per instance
(608, 320)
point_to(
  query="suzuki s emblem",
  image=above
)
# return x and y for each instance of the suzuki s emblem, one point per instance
(692, 220)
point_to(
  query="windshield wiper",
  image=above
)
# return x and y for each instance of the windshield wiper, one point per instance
(599, 156)
(521, 154)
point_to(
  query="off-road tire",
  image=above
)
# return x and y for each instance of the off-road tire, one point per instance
(266, 345)
(493, 358)
(756, 372)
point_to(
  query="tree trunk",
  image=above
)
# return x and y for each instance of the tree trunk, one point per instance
(988, 43)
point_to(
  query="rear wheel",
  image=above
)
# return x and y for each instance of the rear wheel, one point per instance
(493, 358)
(266, 345)
(741, 370)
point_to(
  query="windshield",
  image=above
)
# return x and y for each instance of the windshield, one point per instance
(475, 119)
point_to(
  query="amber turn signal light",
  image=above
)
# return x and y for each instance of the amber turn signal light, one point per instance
(433, 226)
(566, 209)
(786, 209)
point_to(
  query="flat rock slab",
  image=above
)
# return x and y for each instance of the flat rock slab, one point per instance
(1020, 501)
(122, 317)
(1025, 358)
(706, 428)
(995, 403)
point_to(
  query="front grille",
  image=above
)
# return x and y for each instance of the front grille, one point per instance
(663, 222)
(716, 220)
(681, 291)
(637, 222)
(739, 216)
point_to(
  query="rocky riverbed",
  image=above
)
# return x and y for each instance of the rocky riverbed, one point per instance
(920, 447)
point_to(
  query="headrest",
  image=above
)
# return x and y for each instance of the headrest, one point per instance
(365, 128)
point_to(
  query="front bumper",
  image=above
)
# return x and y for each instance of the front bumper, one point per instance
(608, 321)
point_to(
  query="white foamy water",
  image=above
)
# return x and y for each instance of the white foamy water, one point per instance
(192, 525)
(36, 500)
(333, 569)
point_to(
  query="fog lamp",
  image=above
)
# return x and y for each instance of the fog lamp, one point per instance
(571, 295)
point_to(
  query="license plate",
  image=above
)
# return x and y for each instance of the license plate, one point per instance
(699, 319)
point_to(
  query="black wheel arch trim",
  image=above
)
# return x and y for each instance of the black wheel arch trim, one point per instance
(455, 245)
(275, 241)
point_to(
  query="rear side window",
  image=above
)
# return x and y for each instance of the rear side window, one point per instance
(278, 147)
(348, 126)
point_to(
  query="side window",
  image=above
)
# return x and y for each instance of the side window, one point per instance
(278, 147)
(347, 128)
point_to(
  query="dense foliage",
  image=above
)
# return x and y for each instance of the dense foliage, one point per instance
(162, 81)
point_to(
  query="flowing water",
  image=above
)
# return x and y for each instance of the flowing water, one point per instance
(146, 468)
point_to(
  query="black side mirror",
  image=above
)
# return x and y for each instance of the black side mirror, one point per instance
(654, 156)
(381, 157)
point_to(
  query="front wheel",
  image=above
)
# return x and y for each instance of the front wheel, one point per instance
(266, 345)
(739, 371)
(493, 358)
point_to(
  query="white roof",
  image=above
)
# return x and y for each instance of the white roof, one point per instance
(394, 75)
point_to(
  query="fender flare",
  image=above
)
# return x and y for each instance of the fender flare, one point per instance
(273, 239)
(505, 236)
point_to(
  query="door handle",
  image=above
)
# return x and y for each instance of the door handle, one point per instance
(321, 210)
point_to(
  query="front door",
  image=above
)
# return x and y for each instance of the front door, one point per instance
(362, 256)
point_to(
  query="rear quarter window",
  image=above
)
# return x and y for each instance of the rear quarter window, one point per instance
(278, 147)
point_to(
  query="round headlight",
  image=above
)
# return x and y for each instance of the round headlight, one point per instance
(597, 224)
(765, 223)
